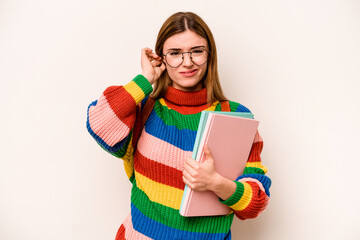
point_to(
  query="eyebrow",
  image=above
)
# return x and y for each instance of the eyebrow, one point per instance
(178, 49)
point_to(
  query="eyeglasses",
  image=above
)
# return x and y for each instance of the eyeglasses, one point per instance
(198, 56)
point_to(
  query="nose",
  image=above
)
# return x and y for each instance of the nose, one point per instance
(187, 62)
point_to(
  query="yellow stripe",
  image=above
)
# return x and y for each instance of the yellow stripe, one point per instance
(257, 165)
(160, 193)
(244, 200)
(135, 91)
(162, 102)
(129, 160)
(211, 108)
(129, 168)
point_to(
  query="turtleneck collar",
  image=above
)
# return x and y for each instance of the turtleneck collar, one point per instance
(186, 98)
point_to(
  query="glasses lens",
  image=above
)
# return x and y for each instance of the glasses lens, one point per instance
(199, 56)
(174, 59)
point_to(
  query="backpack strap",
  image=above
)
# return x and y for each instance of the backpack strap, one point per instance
(225, 106)
(145, 113)
(142, 116)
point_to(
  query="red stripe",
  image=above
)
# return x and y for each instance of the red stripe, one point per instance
(255, 152)
(158, 172)
(121, 233)
(117, 96)
(257, 204)
(186, 109)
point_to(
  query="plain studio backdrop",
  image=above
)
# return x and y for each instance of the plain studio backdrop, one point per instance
(294, 64)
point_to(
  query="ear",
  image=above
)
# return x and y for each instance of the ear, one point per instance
(165, 64)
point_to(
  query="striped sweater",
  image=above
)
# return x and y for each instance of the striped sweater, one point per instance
(155, 166)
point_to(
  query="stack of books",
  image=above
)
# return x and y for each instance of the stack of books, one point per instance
(229, 137)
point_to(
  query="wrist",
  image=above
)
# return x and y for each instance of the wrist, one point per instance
(148, 77)
(217, 182)
(224, 188)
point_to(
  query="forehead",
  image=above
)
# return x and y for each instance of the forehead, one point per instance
(184, 41)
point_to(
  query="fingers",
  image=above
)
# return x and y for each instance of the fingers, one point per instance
(187, 182)
(191, 177)
(151, 64)
(191, 167)
(159, 66)
(154, 56)
(147, 52)
(191, 163)
(156, 63)
(188, 177)
(144, 52)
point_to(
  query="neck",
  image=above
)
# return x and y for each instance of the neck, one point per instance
(186, 98)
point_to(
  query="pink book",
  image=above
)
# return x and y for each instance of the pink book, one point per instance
(229, 139)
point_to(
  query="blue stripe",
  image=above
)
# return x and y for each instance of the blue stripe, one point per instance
(181, 138)
(143, 102)
(242, 108)
(266, 181)
(159, 231)
(99, 140)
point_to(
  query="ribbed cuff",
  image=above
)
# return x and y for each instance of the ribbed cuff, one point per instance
(236, 196)
(144, 84)
(138, 88)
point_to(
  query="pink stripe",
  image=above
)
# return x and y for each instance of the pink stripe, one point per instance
(255, 181)
(257, 138)
(104, 123)
(130, 232)
(161, 151)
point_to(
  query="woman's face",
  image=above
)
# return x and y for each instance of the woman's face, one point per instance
(187, 76)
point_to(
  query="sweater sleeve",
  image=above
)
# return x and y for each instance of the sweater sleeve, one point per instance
(252, 193)
(111, 118)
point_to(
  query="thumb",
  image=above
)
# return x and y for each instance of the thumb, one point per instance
(162, 66)
(207, 152)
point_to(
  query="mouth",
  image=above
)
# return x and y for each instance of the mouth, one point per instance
(189, 73)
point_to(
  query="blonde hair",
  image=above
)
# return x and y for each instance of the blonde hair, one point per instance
(180, 22)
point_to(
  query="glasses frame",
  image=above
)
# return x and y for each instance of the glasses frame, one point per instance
(182, 57)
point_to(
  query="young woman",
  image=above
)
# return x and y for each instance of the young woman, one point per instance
(183, 70)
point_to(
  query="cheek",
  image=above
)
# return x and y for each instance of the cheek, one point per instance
(171, 72)
(203, 71)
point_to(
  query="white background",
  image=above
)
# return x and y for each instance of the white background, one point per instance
(295, 64)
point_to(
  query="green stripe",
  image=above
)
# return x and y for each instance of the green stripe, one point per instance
(131, 179)
(236, 196)
(144, 84)
(181, 121)
(184, 121)
(253, 170)
(172, 218)
(172, 118)
(121, 153)
(233, 106)
(218, 107)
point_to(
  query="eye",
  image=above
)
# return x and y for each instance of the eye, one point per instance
(198, 52)
(175, 54)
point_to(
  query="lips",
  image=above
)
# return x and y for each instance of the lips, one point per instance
(189, 73)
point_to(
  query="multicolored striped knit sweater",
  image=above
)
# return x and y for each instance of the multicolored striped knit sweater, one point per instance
(155, 167)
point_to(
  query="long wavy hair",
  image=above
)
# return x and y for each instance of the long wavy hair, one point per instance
(178, 23)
